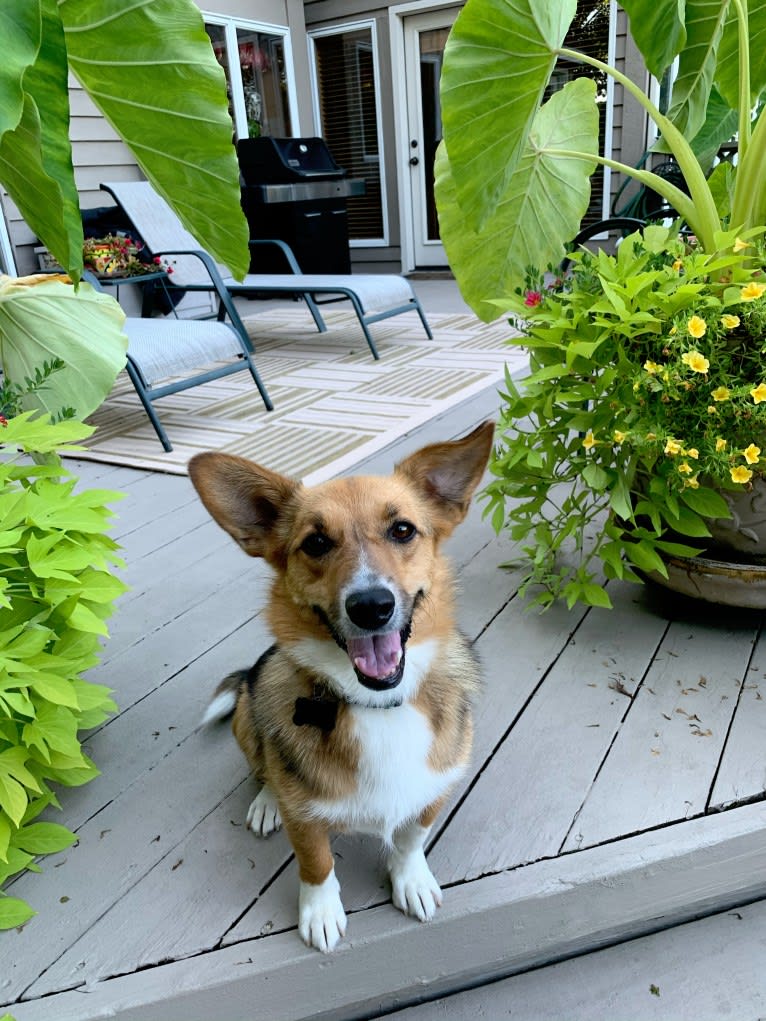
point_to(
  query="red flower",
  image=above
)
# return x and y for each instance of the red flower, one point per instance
(3, 420)
(532, 298)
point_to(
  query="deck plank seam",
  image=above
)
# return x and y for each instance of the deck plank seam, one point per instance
(432, 842)
(137, 879)
(171, 677)
(161, 625)
(615, 735)
(381, 903)
(740, 693)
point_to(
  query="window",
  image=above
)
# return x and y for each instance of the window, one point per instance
(7, 264)
(347, 103)
(255, 62)
(589, 33)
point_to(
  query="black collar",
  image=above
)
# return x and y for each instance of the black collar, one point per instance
(321, 710)
(317, 711)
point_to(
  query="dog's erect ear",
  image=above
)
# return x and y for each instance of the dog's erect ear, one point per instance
(245, 499)
(448, 473)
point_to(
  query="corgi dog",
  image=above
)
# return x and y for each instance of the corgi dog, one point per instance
(358, 718)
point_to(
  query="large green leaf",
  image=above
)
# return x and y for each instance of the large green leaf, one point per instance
(37, 158)
(720, 125)
(727, 75)
(20, 30)
(697, 64)
(658, 29)
(151, 70)
(42, 318)
(497, 63)
(541, 210)
(721, 183)
(38, 195)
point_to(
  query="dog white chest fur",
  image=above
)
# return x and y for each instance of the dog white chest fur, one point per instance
(395, 781)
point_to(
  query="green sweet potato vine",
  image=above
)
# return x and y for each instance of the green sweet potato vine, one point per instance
(56, 592)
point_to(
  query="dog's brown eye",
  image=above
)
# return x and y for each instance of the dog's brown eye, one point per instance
(402, 531)
(316, 544)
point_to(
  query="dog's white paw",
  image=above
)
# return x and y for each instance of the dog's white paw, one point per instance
(415, 891)
(263, 815)
(321, 918)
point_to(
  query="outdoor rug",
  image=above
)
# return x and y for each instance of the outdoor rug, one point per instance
(333, 403)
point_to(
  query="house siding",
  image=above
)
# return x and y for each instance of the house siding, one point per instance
(629, 138)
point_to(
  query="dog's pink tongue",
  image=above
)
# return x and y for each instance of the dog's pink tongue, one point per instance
(377, 656)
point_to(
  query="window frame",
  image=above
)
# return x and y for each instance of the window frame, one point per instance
(341, 29)
(7, 255)
(230, 25)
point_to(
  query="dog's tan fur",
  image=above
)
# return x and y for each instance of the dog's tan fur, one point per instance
(313, 772)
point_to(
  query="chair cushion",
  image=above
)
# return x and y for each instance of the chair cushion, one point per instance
(174, 347)
(376, 291)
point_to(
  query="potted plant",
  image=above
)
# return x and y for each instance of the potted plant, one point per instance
(119, 255)
(644, 412)
(61, 347)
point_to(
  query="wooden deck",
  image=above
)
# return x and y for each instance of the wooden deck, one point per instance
(617, 788)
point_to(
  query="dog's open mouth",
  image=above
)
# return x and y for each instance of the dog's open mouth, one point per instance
(377, 659)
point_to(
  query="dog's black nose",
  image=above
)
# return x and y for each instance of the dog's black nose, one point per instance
(371, 608)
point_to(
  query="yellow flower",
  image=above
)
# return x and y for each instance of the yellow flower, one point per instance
(651, 436)
(685, 468)
(751, 454)
(740, 245)
(673, 331)
(752, 291)
(759, 394)
(720, 445)
(692, 482)
(678, 264)
(619, 437)
(696, 361)
(721, 393)
(672, 446)
(697, 327)
(589, 441)
(729, 322)
(712, 409)
(740, 474)
(652, 367)
(693, 453)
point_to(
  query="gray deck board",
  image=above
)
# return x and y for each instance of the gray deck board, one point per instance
(567, 834)
(663, 761)
(742, 773)
(540, 776)
(707, 970)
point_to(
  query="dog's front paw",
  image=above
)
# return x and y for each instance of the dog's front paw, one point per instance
(414, 889)
(263, 815)
(321, 918)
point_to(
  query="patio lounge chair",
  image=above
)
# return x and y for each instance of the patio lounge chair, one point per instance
(373, 296)
(166, 356)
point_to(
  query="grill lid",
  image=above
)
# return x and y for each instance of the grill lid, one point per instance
(268, 160)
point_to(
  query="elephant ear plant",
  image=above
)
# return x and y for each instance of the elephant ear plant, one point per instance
(648, 373)
(150, 69)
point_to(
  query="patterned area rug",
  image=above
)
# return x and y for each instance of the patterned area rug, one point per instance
(333, 403)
